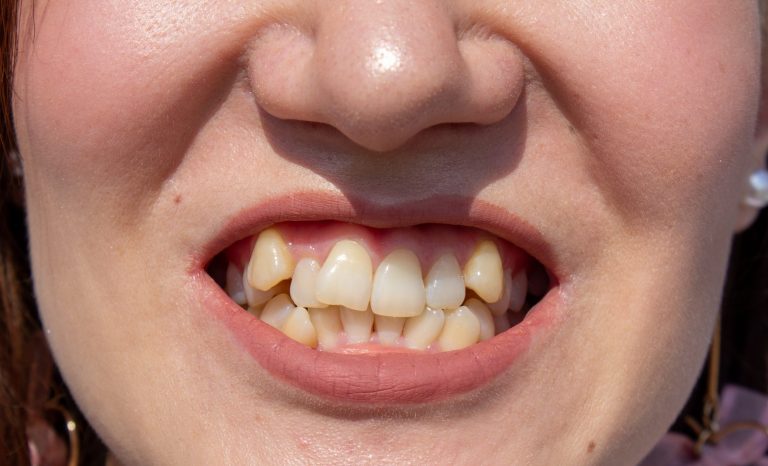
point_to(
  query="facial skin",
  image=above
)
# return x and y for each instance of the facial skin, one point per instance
(623, 132)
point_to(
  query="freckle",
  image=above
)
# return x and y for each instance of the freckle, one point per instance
(177, 199)
(591, 447)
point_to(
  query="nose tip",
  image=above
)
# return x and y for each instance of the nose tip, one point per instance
(383, 72)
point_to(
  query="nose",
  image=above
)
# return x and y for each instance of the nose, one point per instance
(383, 71)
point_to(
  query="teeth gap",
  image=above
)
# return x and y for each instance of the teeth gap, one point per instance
(538, 285)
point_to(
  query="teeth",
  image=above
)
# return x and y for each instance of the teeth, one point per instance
(303, 283)
(484, 317)
(300, 328)
(483, 272)
(461, 329)
(256, 297)
(345, 277)
(444, 284)
(518, 288)
(277, 310)
(271, 261)
(357, 325)
(502, 305)
(328, 325)
(422, 330)
(501, 323)
(398, 290)
(235, 287)
(389, 329)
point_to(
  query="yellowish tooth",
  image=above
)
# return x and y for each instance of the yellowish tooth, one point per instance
(518, 289)
(502, 305)
(398, 290)
(388, 329)
(420, 331)
(277, 310)
(484, 317)
(299, 327)
(357, 324)
(461, 329)
(256, 297)
(327, 324)
(271, 261)
(345, 277)
(483, 272)
(445, 284)
(234, 285)
(304, 282)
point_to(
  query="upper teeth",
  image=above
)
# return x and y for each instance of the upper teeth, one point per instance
(343, 293)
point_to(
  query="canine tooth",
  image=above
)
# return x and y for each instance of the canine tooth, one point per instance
(345, 277)
(235, 287)
(420, 331)
(445, 287)
(303, 283)
(256, 297)
(484, 317)
(398, 290)
(502, 305)
(327, 324)
(299, 327)
(461, 329)
(501, 323)
(388, 328)
(518, 288)
(483, 272)
(271, 261)
(357, 325)
(277, 310)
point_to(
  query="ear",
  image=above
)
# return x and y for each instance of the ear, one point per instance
(759, 156)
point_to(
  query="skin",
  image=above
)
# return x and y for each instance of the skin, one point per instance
(623, 132)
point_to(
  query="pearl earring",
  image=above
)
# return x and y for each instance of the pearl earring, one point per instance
(758, 189)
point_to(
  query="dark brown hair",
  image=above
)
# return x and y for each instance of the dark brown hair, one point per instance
(745, 304)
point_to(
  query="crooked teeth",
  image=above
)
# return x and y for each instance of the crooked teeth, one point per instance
(388, 329)
(235, 287)
(444, 284)
(271, 261)
(502, 305)
(398, 290)
(277, 311)
(461, 329)
(298, 326)
(345, 277)
(422, 330)
(303, 283)
(327, 324)
(484, 317)
(483, 272)
(256, 298)
(357, 325)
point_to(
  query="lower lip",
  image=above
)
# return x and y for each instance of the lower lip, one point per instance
(381, 378)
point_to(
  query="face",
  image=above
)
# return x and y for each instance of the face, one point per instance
(606, 143)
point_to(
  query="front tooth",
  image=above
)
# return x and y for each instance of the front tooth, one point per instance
(388, 329)
(420, 331)
(518, 289)
(345, 277)
(502, 305)
(444, 284)
(235, 287)
(461, 329)
(484, 316)
(357, 325)
(271, 261)
(483, 272)
(304, 282)
(299, 327)
(398, 290)
(327, 324)
(277, 310)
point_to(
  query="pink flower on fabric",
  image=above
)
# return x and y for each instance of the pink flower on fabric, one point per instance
(741, 447)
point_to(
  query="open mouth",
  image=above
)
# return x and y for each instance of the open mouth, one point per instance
(368, 305)
(345, 288)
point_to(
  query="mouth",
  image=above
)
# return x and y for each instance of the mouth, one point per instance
(360, 310)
